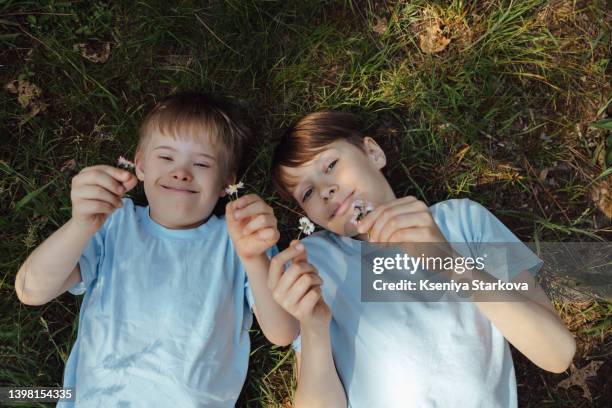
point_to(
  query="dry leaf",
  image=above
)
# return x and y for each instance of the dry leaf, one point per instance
(381, 26)
(580, 375)
(433, 39)
(28, 96)
(97, 54)
(601, 193)
(68, 165)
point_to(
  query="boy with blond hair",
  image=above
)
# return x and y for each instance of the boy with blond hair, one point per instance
(165, 317)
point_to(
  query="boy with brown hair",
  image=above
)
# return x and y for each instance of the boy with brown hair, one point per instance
(395, 354)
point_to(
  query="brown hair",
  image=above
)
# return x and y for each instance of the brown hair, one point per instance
(196, 115)
(306, 138)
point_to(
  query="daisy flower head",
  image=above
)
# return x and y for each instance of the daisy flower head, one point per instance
(306, 227)
(361, 208)
(232, 189)
(125, 164)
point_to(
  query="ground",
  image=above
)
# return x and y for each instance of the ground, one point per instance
(504, 102)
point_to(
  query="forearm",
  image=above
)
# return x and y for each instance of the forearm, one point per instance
(277, 325)
(44, 272)
(318, 382)
(533, 329)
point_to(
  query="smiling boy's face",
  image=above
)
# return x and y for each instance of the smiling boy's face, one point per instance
(326, 186)
(183, 179)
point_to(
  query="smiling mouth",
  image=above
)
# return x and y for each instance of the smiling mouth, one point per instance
(343, 207)
(179, 190)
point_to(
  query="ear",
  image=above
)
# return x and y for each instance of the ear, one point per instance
(139, 162)
(229, 180)
(375, 154)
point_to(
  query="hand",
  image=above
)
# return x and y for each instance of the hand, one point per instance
(298, 288)
(403, 220)
(407, 220)
(96, 192)
(251, 225)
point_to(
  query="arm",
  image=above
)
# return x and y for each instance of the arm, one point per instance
(44, 275)
(318, 384)
(252, 227)
(52, 268)
(278, 326)
(298, 290)
(528, 321)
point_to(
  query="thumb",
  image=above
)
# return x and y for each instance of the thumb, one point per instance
(130, 183)
(302, 257)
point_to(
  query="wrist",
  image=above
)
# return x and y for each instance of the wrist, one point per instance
(81, 228)
(254, 260)
(314, 328)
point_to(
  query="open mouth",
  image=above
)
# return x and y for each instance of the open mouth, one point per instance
(343, 207)
(179, 189)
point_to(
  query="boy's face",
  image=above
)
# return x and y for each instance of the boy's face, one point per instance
(342, 173)
(183, 180)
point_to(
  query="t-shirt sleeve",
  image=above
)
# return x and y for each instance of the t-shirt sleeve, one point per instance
(507, 256)
(297, 343)
(90, 260)
(248, 293)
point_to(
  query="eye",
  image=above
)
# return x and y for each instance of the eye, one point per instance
(331, 166)
(168, 158)
(201, 165)
(307, 194)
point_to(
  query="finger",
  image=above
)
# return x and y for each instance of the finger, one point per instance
(246, 200)
(422, 234)
(308, 302)
(366, 223)
(409, 220)
(304, 283)
(130, 183)
(97, 193)
(260, 221)
(269, 235)
(303, 256)
(277, 263)
(115, 172)
(293, 273)
(89, 207)
(98, 178)
(252, 209)
(391, 213)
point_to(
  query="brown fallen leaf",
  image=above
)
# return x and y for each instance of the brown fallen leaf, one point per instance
(381, 26)
(68, 165)
(432, 38)
(601, 194)
(29, 96)
(580, 375)
(98, 54)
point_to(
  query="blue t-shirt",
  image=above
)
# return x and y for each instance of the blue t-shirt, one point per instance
(165, 317)
(419, 354)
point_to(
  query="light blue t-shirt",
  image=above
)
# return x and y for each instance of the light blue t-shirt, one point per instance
(418, 354)
(165, 317)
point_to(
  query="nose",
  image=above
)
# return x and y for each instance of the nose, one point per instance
(328, 192)
(182, 174)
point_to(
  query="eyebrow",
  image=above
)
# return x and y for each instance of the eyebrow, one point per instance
(197, 154)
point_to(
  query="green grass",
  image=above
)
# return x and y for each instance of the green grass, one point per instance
(512, 94)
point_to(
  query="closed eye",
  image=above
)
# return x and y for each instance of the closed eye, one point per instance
(201, 165)
(168, 158)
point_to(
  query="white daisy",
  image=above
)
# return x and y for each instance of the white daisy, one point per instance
(306, 226)
(232, 189)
